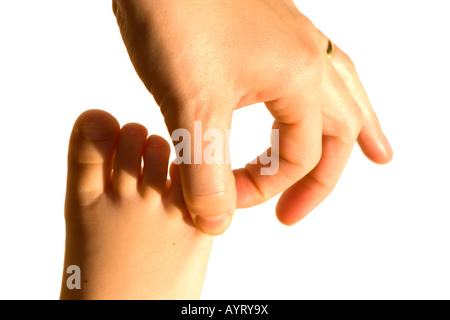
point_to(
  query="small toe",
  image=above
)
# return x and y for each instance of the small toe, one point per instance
(90, 157)
(128, 161)
(156, 160)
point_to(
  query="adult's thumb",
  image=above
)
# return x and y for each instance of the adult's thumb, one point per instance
(200, 135)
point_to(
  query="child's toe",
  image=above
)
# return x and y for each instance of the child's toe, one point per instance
(127, 165)
(156, 159)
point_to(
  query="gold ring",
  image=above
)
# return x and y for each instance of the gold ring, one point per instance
(330, 49)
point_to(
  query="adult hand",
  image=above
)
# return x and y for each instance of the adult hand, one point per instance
(202, 59)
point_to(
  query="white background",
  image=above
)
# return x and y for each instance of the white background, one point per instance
(382, 234)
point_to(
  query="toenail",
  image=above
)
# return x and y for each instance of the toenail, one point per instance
(94, 131)
(155, 142)
(133, 130)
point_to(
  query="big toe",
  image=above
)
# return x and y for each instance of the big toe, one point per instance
(91, 154)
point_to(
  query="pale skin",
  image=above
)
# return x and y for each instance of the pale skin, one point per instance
(127, 227)
(203, 59)
(131, 231)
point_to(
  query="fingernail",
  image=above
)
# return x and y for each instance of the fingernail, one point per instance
(388, 148)
(213, 225)
(94, 131)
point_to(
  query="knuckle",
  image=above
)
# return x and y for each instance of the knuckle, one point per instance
(357, 116)
(303, 65)
(309, 160)
(263, 193)
(347, 61)
(353, 122)
(310, 65)
(315, 157)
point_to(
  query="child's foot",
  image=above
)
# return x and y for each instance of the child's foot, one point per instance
(127, 227)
